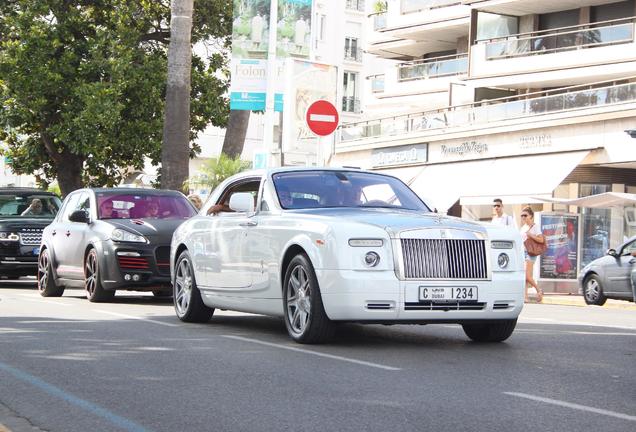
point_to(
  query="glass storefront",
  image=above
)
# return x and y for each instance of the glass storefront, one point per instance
(595, 226)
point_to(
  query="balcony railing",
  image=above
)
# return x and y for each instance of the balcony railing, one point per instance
(410, 6)
(563, 39)
(379, 21)
(351, 104)
(353, 55)
(433, 67)
(357, 5)
(553, 101)
(377, 83)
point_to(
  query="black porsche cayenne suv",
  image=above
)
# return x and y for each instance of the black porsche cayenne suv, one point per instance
(24, 212)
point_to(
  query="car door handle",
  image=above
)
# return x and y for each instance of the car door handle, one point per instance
(632, 261)
(68, 233)
(248, 224)
(53, 232)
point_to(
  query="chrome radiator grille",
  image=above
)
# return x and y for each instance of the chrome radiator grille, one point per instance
(444, 259)
(30, 236)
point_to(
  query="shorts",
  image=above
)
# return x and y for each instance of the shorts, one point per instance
(532, 259)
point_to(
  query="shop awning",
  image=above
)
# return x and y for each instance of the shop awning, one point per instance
(603, 200)
(523, 179)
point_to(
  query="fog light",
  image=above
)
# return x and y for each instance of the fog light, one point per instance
(126, 277)
(503, 260)
(136, 278)
(372, 259)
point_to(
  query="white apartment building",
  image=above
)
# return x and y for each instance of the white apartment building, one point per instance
(524, 100)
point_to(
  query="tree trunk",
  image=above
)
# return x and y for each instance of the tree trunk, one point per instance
(175, 149)
(69, 173)
(235, 132)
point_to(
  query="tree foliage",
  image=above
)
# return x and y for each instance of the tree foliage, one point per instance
(82, 84)
(215, 170)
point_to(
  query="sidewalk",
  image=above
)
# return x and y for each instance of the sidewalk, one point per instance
(577, 300)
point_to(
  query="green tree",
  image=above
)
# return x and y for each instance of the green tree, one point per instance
(83, 84)
(215, 170)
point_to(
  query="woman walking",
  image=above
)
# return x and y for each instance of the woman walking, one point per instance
(530, 230)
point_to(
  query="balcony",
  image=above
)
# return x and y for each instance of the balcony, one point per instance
(377, 83)
(564, 39)
(351, 104)
(355, 5)
(379, 21)
(353, 55)
(600, 51)
(433, 67)
(530, 107)
(411, 6)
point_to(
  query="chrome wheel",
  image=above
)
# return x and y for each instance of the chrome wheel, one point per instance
(592, 290)
(298, 299)
(90, 272)
(183, 287)
(44, 269)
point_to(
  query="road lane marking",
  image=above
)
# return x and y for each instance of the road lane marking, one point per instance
(41, 300)
(573, 406)
(136, 318)
(52, 390)
(319, 354)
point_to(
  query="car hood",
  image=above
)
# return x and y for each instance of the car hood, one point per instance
(8, 224)
(394, 220)
(148, 227)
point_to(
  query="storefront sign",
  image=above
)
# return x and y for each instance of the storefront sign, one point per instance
(395, 156)
(561, 259)
(465, 148)
(535, 141)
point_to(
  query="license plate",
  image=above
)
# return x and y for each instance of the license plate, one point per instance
(468, 293)
(36, 251)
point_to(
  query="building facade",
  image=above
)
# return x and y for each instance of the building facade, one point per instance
(527, 101)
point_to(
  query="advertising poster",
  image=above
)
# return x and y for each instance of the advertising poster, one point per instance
(293, 34)
(250, 29)
(560, 260)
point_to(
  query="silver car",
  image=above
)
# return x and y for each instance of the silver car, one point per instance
(609, 277)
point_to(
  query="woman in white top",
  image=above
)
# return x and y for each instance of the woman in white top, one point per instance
(532, 230)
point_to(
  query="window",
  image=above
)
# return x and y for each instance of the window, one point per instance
(71, 205)
(596, 225)
(350, 102)
(352, 52)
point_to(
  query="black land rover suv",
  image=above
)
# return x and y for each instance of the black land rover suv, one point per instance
(24, 212)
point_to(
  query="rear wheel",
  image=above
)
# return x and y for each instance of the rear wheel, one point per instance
(593, 291)
(305, 316)
(490, 332)
(46, 283)
(95, 292)
(187, 298)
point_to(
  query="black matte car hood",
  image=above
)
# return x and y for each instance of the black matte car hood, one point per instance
(7, 224)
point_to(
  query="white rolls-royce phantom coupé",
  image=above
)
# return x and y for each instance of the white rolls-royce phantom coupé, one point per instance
(321, 246)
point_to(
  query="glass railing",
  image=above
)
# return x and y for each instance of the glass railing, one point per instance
(431, 68)
(377, 83)
(410, 6)
(379, 21)
(565, 39)
(572, 98)
(351, 104)
(357, 5)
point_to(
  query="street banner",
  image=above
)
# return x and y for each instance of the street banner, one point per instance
(294, 28)
(560, 261)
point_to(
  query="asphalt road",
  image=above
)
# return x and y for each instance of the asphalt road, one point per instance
(70, 365)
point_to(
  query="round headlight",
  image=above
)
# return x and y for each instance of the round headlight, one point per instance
(503, 260)
(372, 259)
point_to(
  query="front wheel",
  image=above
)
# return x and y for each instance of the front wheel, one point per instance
(188, 303)
(305, 316)
(497, 331)
(46, 283)
(593, 291)
(95, 292)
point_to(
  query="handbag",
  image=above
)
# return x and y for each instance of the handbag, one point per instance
(534, 248)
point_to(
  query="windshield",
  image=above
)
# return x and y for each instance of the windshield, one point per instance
(114, 205)
(29, 205)
(328, 189)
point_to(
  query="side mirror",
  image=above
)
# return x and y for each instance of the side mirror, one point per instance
(242, 202)
(79, 216)
(612, 252)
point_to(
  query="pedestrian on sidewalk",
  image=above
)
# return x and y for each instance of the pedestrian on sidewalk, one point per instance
(530, 230)
(501, 218)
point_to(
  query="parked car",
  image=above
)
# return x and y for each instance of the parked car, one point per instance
(110, 239)
(608, 277)
(323, 246)
(24, 212)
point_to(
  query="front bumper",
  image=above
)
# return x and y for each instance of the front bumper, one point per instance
(134, 267)
(18, 260)
(378, 296)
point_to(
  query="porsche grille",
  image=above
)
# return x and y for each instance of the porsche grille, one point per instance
(444, 259)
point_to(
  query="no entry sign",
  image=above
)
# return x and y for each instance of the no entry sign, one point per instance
(322, 117)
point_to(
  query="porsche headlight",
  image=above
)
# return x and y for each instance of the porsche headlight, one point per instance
(9, 236)
(126, 236)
